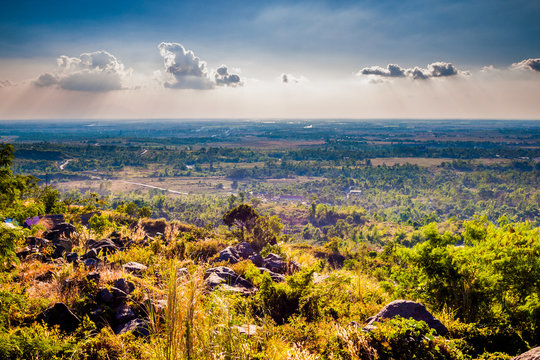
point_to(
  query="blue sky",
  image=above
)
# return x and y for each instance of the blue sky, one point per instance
(314, 42)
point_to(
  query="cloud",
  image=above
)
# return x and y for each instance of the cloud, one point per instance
(190, 72)
(223, 78)
(434, 70)
(528, 64)
(391, 70)
(291, 79)
(5, 83)
(97, 71)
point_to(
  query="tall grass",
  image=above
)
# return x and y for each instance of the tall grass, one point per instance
(195, 324)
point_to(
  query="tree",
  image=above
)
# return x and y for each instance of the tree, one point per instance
(243, 217)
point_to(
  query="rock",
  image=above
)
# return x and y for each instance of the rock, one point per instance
(60, 315)
(229, 254)
(53, 220)
(61, 230)
(533, 354)
(256, 259)
(36, 241)
(93, 276)
(275, 276)
(72, 257)
(244, 250)
(61, 247)
(120, 296)
(104, 247)
(226, 277)
(90, 254)
(137, 326)
(45, 277)
(134, 267)
(408, 310)
(123, 314)
(91, 263)
(275, 263)
(26, 251)
(124, 285)
(105, 296)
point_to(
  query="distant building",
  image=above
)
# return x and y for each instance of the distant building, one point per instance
(353, 193)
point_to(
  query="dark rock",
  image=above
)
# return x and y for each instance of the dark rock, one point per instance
(275, 263)
(62, 230)
(90, 254)
(72, 257)
(408, 310)
(105, 296)
(256, 259)
(93, 276)
(119, 295)
(275, 276)
(91, 263)
(229, 254)
(134, 267)
(124, 285)
(123, 314)
(137, 326)
(60, 315)
(45, 277)
(61, 247)
(244, 250)
(27, 251)
(533, 354)
(36, 241)
(53, 219)
(69, 284)
(228, 279)
(104, 246)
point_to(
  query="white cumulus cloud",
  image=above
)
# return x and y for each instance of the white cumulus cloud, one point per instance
(190, 72)
(434, 70)
(528, 64)
(97, 71)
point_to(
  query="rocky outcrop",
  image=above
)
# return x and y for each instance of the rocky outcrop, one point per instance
(408, 310)
(60, 231)
(134, 268)
(533, 354)
(228, 280)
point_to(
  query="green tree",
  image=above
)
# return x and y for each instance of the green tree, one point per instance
(243, 217)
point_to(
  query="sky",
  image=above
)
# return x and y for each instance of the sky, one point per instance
(270, 59)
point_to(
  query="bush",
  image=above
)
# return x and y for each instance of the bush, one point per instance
(35, 342)
(9, 237)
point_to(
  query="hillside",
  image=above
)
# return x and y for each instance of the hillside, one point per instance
(81, 281)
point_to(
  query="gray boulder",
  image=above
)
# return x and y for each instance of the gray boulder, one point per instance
(134, 267)
(104, 246)
(275, 263)
(244, 250)
(275, 276)
(137, 326)
(228, 279)
(229, 254)
(409, 310)
(533, 354)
